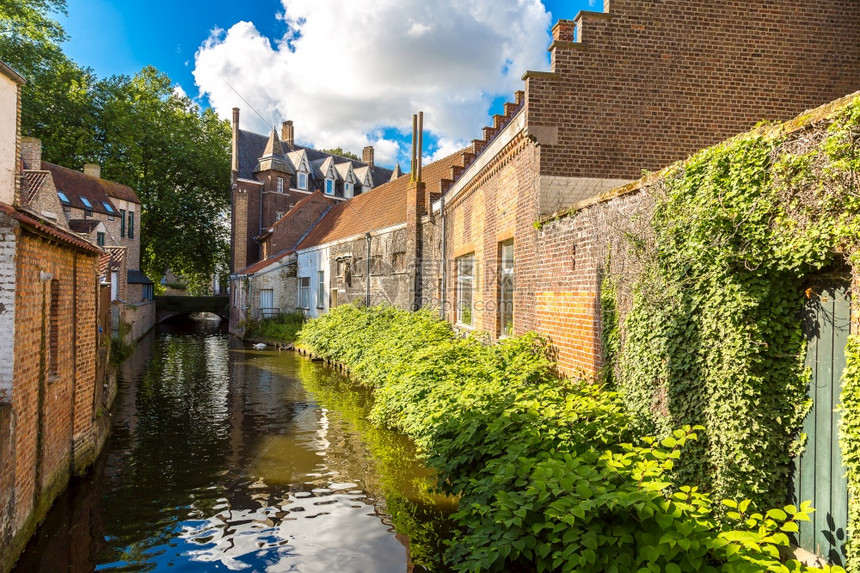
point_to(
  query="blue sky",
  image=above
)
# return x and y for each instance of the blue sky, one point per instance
(207, 47)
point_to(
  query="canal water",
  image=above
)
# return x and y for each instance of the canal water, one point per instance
(222, 457)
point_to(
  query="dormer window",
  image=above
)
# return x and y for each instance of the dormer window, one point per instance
(303, 181)
(280, 184)
(347, 189)
(329, 186)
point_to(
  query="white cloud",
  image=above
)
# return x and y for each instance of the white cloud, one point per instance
(345, 69)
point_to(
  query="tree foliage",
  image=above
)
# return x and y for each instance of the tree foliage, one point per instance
(141, 131)
(340, 151)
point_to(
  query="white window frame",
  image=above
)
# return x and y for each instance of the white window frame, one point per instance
(267, 297)
(321, 289)
(466, 290)
(302, 181)
(305, 292)
(348, 189)
(280, 184)
(329, 186)
(506, 289)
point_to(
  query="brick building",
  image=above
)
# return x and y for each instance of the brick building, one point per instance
(631, 89)
(106, 214)
(634, 88)
(271, 175)
(54, 390)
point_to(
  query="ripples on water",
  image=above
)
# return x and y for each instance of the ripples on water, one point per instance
(234, 459)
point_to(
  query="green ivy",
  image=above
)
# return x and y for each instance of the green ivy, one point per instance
(713, 336)
(849, 440)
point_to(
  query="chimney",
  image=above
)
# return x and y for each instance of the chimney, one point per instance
(367, 155)
(287, 135)
(31, 152)
(235, 163)
(93, 170)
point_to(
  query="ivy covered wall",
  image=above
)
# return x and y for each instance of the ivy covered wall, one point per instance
(703, 289)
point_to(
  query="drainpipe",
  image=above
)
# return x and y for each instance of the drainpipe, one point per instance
(444, 259)
(367, 287)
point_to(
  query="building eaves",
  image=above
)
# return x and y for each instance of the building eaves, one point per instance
(49, 229)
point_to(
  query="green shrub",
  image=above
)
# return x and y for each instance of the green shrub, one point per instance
(544, 470)
(283, 328)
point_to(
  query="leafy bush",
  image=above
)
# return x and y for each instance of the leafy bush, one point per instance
(283, 328)
(544, 469)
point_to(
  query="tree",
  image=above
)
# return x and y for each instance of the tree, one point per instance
(144, 135)
(177, 158)
(342, 153)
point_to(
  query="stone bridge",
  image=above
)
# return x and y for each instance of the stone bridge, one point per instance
(171, 306)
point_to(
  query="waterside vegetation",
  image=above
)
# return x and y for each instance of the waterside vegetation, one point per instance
(549, 472)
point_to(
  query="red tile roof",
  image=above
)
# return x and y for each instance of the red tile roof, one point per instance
(77, 185)
(381, 207)
(83, 225)
(264, 263)
(293, 213)
(49, 229)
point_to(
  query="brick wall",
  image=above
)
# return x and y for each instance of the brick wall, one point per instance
(285, 235)
(652, 81)
(55, 376)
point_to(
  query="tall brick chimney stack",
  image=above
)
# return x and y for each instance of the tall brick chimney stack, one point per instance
(287, 134)
(367, 155)
(235, 164)
(93, 170)
(31, 152)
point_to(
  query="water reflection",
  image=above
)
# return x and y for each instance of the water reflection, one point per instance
(235, 459)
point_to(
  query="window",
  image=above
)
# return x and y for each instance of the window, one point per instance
(131, 224)
(280, 184)
(54, 325)
(304, 292)
(147, 292)
(278, 215)
(506, 289)
(63, 198)
(100, 239)
(465, 279)
(122, 223)
(87, 203)
(329, 186)
(320, 289)
(347, 189)
(108, 207)
(267, 303)
(303, 181)
(398, 262)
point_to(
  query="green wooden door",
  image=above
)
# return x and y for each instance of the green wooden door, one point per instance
(819, 475)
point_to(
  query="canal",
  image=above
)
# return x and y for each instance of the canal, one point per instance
(223, 457)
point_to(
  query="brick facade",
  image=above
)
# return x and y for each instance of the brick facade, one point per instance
(55, 422)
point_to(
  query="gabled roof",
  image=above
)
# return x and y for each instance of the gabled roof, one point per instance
(344, 170)
(381, 207)
(263, 264)
(295, 212)
(81, 189)
(252, 147)
(396, 173)
(363, 174)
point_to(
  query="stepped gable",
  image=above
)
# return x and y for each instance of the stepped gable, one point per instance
(381, 207)
(470, 153)
(77, 186)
